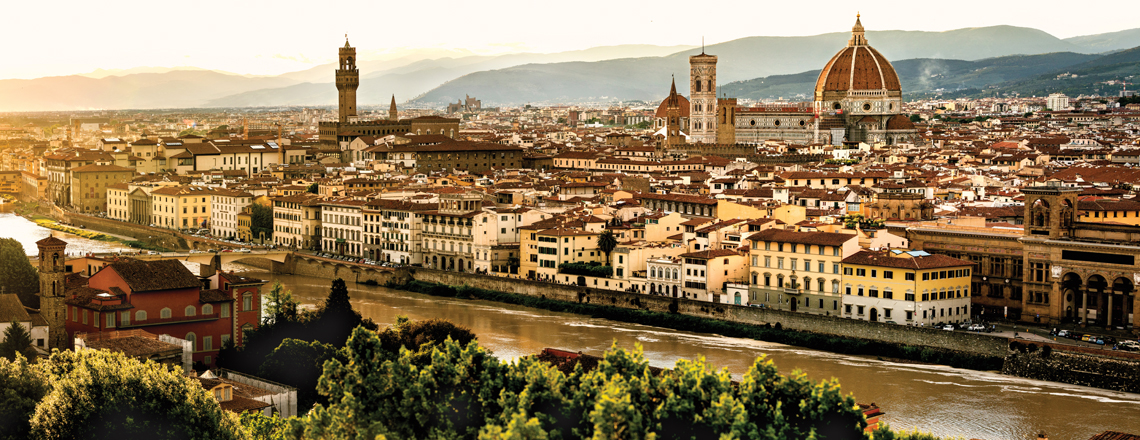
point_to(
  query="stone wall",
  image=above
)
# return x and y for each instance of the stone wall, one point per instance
(975, 343)
(1074, 368)
(150, 235)
(317, 267)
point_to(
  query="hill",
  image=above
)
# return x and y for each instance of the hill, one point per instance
(739, 60)
(179, 88)
(1107, 42)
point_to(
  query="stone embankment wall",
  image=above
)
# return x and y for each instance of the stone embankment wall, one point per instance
(327, 268)
(976, 343)
(1074, 368)
(150, 235)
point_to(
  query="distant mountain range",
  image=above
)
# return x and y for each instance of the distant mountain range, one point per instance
(983, 59)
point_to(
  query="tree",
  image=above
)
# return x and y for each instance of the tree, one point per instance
(300, 364)
(100, 394)
(261, 220)
(915, 118)
(22, 386)
(607, 241)
(16, 274)
(16, 340)
(281, 305)
(463, 391)
(314, 188)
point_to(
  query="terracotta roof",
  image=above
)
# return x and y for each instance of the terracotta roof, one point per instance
(11, 309)
(816, 238)
(711, 253)
(858, 67)
(888, 259)
(147, 276)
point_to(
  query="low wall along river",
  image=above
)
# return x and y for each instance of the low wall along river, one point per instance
(1030, 361)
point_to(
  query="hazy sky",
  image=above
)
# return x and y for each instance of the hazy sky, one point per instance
(45, 38)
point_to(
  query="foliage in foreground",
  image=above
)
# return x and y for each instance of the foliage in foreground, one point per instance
(95, 394)
(465, 392)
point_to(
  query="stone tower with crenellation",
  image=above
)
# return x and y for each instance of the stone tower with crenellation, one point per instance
(347, 80)
(52, 286)
(702, 98)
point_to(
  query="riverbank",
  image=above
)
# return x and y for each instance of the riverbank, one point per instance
(131, 242)
(767, 332)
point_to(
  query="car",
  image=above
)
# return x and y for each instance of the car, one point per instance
(227, 250)
(1064, 334)
(976, 327)
(1085, 338)
(1108, 340)
(1130, 346)
(244, 250)
(890, 322)
(948, 327)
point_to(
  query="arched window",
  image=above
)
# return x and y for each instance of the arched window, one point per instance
(193, 341)
(698, 88)
(190, 311)
(207, 309)
(653, 272)
(140, 315)
(165, 313)
(676, 274)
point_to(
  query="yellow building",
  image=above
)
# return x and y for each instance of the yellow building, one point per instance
(89, 185)
(906, 287)
(560, 245)
(798, 271)
(1109, 211)
(181, 207)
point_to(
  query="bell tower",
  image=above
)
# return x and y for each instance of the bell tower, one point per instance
(347, 80)
(52, 285)
(393, 115)
(1050, 211)
(702, 98)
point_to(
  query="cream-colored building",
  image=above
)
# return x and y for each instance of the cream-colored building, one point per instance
(181, 207)
(297, 221)
(705, 274)
(226, 206)
(799, 271)
(89, 185)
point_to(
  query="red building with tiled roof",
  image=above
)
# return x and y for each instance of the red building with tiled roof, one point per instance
(163, 297)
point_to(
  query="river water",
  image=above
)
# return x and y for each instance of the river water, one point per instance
(945, 401)
(28, 233)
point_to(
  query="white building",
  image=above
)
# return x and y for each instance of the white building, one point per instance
(224, 208)
(1057, 101)
(342, 223)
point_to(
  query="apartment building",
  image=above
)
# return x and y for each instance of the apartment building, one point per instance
(448, 234)
(297, 221)
(392, 230)
(906, 287)
(705, 274)
(342, 227)
(799, 271)
(224, 210)
(181, 207)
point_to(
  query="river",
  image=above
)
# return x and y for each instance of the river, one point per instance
(945, 401)
(28, 233)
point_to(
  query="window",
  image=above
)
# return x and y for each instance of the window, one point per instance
(888, 275)
(909, 276)
(110, 319)
(887, 294)
(909, 295)
(140, 315)
(126, 318)
(247, 302)
(208, 309)
(207, 343)
(193, 341)
(190, 311)
(164, 314)
(225, 310)
(225, 339)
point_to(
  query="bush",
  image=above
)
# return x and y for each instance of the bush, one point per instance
(591, 269)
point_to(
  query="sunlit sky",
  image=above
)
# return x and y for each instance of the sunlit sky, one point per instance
(46, 38)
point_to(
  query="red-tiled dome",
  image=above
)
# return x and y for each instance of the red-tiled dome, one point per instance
(857, 67)
(681, 102)
(900, 122)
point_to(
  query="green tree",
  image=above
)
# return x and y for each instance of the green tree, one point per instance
(22, 386)
(300, 364)
(16, 274)
(259, 426)
(915, 118)
(16, 340)
(281, 305)
(100, 394)
(261, 221)
(314, 188)
(607, 241)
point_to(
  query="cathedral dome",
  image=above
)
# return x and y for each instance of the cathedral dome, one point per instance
(857, 67)
(677, 99)
(899, 122)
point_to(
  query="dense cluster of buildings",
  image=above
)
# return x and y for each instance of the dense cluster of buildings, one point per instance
(856, 204)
